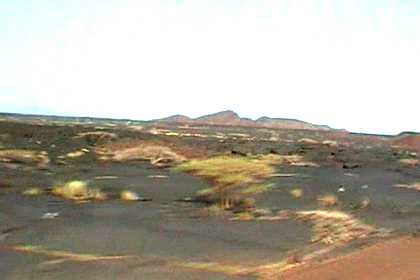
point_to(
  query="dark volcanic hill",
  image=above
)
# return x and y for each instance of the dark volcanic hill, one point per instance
(230, 118)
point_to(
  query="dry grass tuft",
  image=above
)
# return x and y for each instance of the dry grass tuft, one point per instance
(243, 216)
(214, 210)
(285, 175)
(327, 200)
(97, 137)
(290, 159)
(273, 270)
(267, 271)
(232, 177)
(227, 170)
(158, 155)
(231, 270)
(308, 141)
(77, 153)
(413, 186)
(335, 227)
(129, 196)
(362, 204)
(64, 256)
(294, 160)
(78, 190)
(365, 203)
(255, 189)
(32, 192)
(305, 164)
(296, 193)
(24, 156)
(330, 143)
(105, 177)
(409, 161)
(255, 214)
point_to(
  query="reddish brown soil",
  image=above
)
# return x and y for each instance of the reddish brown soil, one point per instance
(397, 259)
(410, 142)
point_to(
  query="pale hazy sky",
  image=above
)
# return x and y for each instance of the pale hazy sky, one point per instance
(350, 64)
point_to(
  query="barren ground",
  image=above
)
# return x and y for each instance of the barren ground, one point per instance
(166, 238)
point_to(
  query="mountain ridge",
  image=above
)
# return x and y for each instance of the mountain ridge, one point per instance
(231, 118)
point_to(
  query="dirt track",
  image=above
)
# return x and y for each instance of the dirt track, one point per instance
(391, 260)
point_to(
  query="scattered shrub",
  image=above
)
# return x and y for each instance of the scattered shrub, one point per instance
(308, 141)
(330, 143)
(327, 200)
(232, 177)
(158, 155)
(77, 153)
(335, 227)
(97, 137)
(129, 196)
(78, 190)
(296, 193)
(24, 156)
(409, 161)
(413, 186)
(32, 191)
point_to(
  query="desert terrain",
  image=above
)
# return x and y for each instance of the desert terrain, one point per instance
(217, 197)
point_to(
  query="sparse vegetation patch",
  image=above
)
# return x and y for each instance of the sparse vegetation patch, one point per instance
(296, 193)
(328, 200)
(233, 178)
(78, 191)
(77, 153)
(32, 191)
(413, 186)
(97, 137)
(24, 156)
(335, 227)
(409, 161)
(157, 154)
(129, 196)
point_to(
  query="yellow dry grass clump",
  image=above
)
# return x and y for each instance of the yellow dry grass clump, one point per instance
(409, 161)
(294, 160)
(328, 200)
(25, 156)
(308, 141)
(32, 191)
(158, 155)
(78, 190)
(228, 170)
(65, 256)
(97, 137)
(55, 257)
(413, 186)
(330, 143)
(77, 153)
(335, 227)
(296, 193)
(129, 196)
(231, 176)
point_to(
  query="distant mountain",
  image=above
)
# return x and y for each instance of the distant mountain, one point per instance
(176, 119)
(290, 123)
(230, 118)
(224, 118)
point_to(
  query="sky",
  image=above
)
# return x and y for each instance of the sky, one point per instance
(352, 64)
